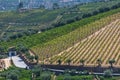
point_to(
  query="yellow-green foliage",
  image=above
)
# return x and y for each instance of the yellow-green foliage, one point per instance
(61, 43)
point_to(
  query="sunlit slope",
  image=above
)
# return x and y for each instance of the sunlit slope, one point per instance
(103, 44)
(58, 45)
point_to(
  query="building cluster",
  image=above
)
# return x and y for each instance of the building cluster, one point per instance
(48, 4)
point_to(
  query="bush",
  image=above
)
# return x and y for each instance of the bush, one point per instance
(46, 76)
(107, 73)
(67, 77)
(12, 76)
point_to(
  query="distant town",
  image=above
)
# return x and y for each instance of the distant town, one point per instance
(6, 5)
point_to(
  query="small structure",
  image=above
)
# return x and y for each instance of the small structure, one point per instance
(12, 52)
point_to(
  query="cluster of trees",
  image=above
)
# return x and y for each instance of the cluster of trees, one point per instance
(68, 75)
(3, 53)
(48, 17)
(21, 34)
(82, 62)
(38, 73)
(85, 15)
(25, 51)
(59, 44)
(30, 41)
(31, 58)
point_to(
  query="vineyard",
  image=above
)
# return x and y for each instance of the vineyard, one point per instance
(103, 45)
(15, 25)
(96, 41)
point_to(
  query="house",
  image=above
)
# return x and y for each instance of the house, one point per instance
(12, 52)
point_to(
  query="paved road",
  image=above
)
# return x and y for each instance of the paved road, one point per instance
(62, 71)
(18, 62)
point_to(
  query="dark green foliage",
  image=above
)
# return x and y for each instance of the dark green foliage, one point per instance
(42, 38)
(37, 70)
(68, 77)
(55, 6)
(43, 20)
(59, 62)
(111, 62)
(36, 58)
(107, 73)
(12, 76)
(82, 62)
(20, 5)
(14, 73)
(99, 61)
(46, 76)
(21, 48)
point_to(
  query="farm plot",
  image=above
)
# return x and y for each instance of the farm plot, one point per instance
(103, 45)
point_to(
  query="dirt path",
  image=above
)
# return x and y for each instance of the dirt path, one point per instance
(31, 53)
(7, 63)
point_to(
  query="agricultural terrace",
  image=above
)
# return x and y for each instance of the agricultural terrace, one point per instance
(103, 45)
(97, 40)
(16, 25)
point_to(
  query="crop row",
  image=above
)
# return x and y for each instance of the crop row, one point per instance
(103, 45)
(56, 46)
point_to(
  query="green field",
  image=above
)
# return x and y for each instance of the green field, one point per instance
(39, 19)
(42, 43)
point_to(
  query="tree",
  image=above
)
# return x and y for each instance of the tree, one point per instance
(2, 50)
(21, 48)
(95, 12)
(12, 76)
(36, 58)
(67, 77)
(82, 62)
(55, 6)
(68, 61)
(31, 58)
(59, 62)
(107, 73)
(111, 62)
(99, 62)
(46, 76)
(20, 5)
(86, 15)
(37, 70)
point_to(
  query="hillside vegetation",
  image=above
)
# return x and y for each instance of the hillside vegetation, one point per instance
(61, 43)
(103, 45)
(42, 43)
(15, 25)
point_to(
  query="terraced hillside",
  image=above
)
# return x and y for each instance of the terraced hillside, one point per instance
(103, 45)
(49, 44)
(54, 47)
(41, 19)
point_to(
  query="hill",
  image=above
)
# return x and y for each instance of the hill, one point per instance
(57, 45)
(102, 45)
(50, 41)
(15, 25)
